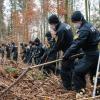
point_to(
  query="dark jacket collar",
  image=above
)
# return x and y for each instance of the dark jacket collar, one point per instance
(57, 26)
(83, 22)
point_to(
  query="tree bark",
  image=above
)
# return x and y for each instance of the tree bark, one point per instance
(67, 10)
(86, 9)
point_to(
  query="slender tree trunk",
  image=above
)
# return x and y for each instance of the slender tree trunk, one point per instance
(99, 7)
(43, 15)
(67, 10)
(70, 10)
(89, 8)
(2, 33)
(58, 7)
(26, 37)
(86, 9)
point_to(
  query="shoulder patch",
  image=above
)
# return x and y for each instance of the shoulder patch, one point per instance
(76, 36)
(68, 27)
(93, 29)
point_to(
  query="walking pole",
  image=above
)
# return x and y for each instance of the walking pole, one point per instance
(96, 78)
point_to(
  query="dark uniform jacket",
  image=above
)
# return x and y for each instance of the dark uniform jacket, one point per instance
(64, 37)
(88, 40)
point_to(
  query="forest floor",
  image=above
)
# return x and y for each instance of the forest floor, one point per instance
(34, 86)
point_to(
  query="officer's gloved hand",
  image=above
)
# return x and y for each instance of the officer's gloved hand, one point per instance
(43, 58)
(49, 52)
(66, 56)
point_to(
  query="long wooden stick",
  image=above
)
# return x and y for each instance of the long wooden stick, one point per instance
(29, 68)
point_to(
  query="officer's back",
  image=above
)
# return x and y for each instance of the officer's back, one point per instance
(66, 36)
(92, 36)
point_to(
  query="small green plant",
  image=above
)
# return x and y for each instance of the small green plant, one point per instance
(38, 75)
(11, 70)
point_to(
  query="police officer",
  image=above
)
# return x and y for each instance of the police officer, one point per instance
(2, 51)
(49, 42)
(88, 40)
(8, 51)
(26, 53)
(14, 52)
(38, 51)
(64, 38)
(29, 61)
(32, 50)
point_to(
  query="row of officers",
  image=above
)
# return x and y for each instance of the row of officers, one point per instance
(73, 71)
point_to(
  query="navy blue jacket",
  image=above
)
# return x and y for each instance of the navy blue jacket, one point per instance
(64, 37)
(88, 39)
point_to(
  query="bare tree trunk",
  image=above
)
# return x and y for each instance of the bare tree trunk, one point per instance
(44, 18)
(70, 10)
(86, 9)
(67, 10)
(46, 13)
(99, 7)
(2, 27)
(58, 7)
(26, 39)
(72, 6)
(89, 8)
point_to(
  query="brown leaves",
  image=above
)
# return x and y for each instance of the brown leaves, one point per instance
(35, 86)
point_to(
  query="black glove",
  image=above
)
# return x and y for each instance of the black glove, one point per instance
(66, 56)
(44, 57)
(49, 52)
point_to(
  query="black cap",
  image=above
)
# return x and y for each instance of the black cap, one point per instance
(30, 42)
(13, 43)
(33, 43)
(48, 35)
(37, 40)
(53, 19)
(77, 16)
